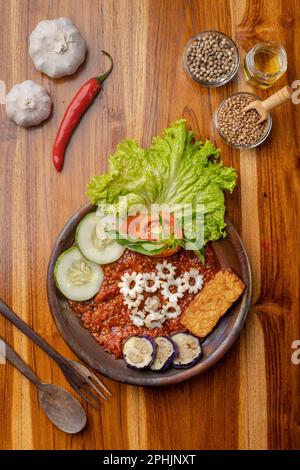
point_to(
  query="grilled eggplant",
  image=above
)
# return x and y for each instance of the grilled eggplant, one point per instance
(189, 348)
(139, 352)
(166, 352)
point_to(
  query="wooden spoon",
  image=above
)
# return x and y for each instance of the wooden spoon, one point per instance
(60, 406)
(264, 107)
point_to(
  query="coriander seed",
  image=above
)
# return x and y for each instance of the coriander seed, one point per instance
(241, 128)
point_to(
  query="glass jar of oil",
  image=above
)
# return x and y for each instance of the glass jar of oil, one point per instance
(265, 63)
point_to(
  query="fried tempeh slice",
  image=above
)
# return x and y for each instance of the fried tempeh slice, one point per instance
(206, 309)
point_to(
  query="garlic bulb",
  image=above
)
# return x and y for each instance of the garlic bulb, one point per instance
(57, 47)
(28, 104)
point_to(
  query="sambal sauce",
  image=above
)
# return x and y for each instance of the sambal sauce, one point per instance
(107, 318)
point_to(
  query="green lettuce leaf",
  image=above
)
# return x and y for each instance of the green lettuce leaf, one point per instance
(175, 170)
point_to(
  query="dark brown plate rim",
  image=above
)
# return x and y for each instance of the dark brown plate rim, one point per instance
(182, 374)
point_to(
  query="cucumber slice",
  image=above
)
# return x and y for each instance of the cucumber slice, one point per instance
(93, 242)
(76, 277)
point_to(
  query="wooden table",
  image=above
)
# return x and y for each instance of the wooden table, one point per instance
(250, 400)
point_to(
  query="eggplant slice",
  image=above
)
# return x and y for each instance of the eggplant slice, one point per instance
(139, 352)
(189, 348)
(166, 351)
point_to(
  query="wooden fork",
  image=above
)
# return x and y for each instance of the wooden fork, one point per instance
(264, 107)
(78, 375)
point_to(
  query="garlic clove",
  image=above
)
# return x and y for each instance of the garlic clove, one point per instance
(28, 104)
(57, 47)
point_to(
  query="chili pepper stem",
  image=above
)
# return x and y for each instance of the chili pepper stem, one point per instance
(104, 76)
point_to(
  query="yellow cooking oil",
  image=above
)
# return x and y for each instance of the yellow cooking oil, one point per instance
(264, 64)
(267, 61)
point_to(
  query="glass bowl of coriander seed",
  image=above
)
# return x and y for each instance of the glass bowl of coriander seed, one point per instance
(211, 58)
(238, 128)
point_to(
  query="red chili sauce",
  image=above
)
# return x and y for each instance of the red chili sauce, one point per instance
(106, 316)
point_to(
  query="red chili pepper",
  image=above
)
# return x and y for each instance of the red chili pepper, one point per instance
(74, 112)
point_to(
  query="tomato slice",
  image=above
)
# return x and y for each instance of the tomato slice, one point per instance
(152, 228)
(167, 252)
(147, 227)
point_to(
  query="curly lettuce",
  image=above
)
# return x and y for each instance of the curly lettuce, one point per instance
(175, 170)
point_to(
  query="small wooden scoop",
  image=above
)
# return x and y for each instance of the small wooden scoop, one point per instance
(264, 107)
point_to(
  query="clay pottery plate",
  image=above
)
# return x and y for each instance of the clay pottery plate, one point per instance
(230, 252)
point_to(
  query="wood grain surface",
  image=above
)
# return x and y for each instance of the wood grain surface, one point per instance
(250, 399)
